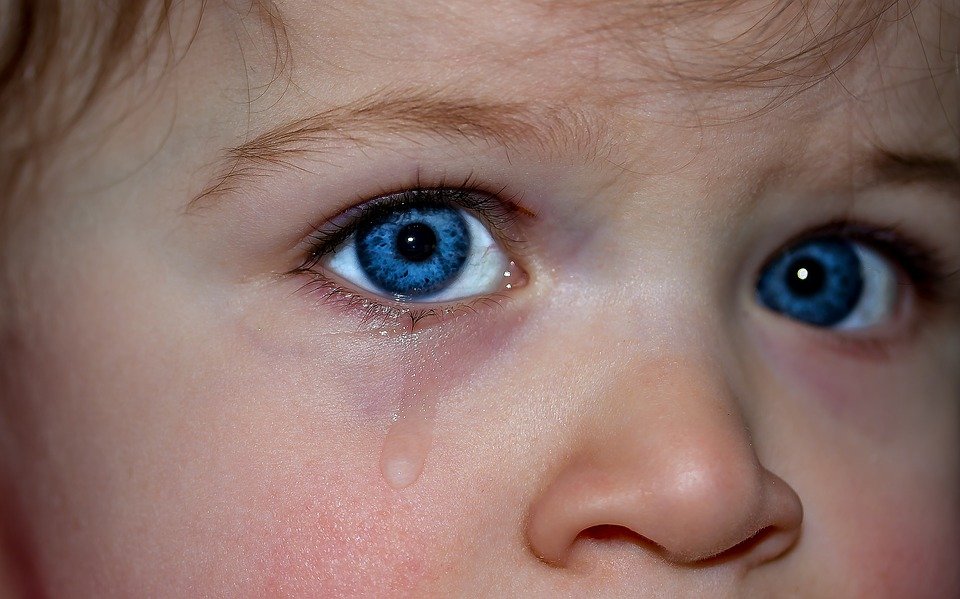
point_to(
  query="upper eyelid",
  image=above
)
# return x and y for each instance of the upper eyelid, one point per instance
(495, 210)
(923, 263)
(421, 183)
(881, 236)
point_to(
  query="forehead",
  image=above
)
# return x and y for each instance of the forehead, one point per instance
(738, 56)
(699, 43)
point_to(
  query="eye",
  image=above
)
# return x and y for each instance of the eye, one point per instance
(830, 282)
(422, 250)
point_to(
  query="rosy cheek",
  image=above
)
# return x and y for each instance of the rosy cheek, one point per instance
(354, 539)
(897, 550)
(879, 487)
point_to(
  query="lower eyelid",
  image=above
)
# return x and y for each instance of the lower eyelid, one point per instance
(877, 347)
(387, 317)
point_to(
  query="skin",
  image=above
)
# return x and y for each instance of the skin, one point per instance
(181, 419)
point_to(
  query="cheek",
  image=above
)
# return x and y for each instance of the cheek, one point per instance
(336, 524)
(894, 547)
(875, 459)
(344, 538)
(395, 385)
(881, 398)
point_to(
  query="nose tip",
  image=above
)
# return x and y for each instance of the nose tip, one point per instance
(701, 505)
(676, 470)
(709, 509)
(709, 504)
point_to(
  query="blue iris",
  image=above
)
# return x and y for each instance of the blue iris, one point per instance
(818, 282)
(413, 251)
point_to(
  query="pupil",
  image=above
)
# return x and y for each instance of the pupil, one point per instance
(805, 277)
(416, 242)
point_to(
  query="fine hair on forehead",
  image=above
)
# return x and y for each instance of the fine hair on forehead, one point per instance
(57, 57)
(734, 43)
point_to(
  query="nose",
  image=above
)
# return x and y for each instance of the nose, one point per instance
(669, 461)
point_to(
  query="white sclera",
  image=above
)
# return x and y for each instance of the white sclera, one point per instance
(482, 272)
(878, 300)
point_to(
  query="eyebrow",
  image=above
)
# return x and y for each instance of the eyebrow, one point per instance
(550, 128)
(904, 168)
(401, 114)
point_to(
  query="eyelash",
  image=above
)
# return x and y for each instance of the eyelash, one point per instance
(498, 210)
(922, 264)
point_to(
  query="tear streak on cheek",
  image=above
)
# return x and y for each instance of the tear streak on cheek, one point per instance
(337, 532)
(436, 363)
(395, 380)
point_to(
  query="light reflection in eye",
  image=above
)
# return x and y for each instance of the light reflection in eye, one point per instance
(830, 282)
(422, 253)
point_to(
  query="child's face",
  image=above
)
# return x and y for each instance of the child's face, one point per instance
(657, 401)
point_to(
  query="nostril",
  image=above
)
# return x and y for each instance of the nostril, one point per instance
(767, 544)
(604, 537)
(741, 549)
(609, 532)
(611, 536)
(617, 535)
